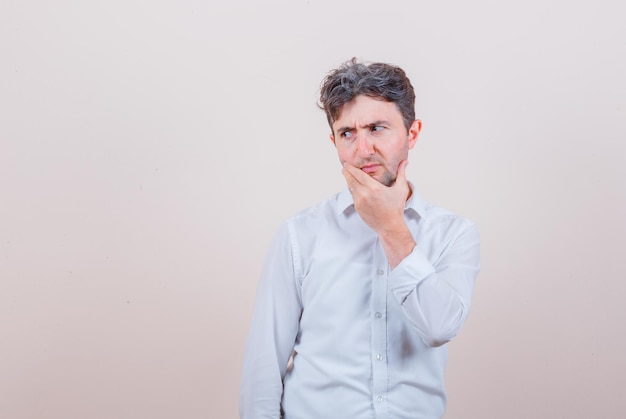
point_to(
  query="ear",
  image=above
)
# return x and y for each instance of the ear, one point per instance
(332, 139)
(414, 131)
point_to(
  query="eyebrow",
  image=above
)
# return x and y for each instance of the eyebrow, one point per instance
(377, 123)
(371, 124)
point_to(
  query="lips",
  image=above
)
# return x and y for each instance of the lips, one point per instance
(370, 168)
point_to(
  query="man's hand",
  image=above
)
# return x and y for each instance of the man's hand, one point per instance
(382, 208)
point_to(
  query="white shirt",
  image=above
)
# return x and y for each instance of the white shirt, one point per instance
(367, 341)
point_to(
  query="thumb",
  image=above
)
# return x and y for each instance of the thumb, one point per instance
(401, 175)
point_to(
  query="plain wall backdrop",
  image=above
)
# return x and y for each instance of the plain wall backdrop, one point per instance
(150, 149)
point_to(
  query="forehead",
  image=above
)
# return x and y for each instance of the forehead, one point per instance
(363, 109)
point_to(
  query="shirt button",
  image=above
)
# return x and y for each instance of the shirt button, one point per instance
(380, 272)
(379, 315)
(379, 357)
(379, 399)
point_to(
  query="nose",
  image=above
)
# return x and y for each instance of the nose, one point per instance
(365, 145)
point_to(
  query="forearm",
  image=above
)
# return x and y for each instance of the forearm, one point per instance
(397, 242)
(435, 292)
(260, 393)
(435, 309)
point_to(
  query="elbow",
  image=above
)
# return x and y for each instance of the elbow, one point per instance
(435, 339)
(436, 320)
(438, 333)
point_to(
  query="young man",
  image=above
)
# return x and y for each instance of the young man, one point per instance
(365, 288)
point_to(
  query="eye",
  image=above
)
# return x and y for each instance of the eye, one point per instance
(346, 134)
(377, 128)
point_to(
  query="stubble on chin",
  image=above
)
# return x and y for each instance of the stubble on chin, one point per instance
(388, 178)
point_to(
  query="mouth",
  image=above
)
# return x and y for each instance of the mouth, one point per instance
(370, 168)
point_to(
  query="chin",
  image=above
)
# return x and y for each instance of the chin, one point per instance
(387, 179)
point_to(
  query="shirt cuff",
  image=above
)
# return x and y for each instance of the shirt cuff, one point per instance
(412, 270)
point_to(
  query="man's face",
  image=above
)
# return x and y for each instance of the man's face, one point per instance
(370, 135)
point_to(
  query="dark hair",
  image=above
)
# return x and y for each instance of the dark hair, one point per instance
(377, 80)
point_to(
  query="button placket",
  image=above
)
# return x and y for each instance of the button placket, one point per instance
(379, 331)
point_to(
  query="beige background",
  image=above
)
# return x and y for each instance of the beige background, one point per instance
(149, 150)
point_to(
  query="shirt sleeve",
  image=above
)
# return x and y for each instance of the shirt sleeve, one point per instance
(436, 296)
(272, 333)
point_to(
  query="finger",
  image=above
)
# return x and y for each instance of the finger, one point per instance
(401, 174)
(347, 174)
(350, 174)
(359, 176)
(350, 179)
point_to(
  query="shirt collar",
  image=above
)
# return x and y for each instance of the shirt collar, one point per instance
(415, 202)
